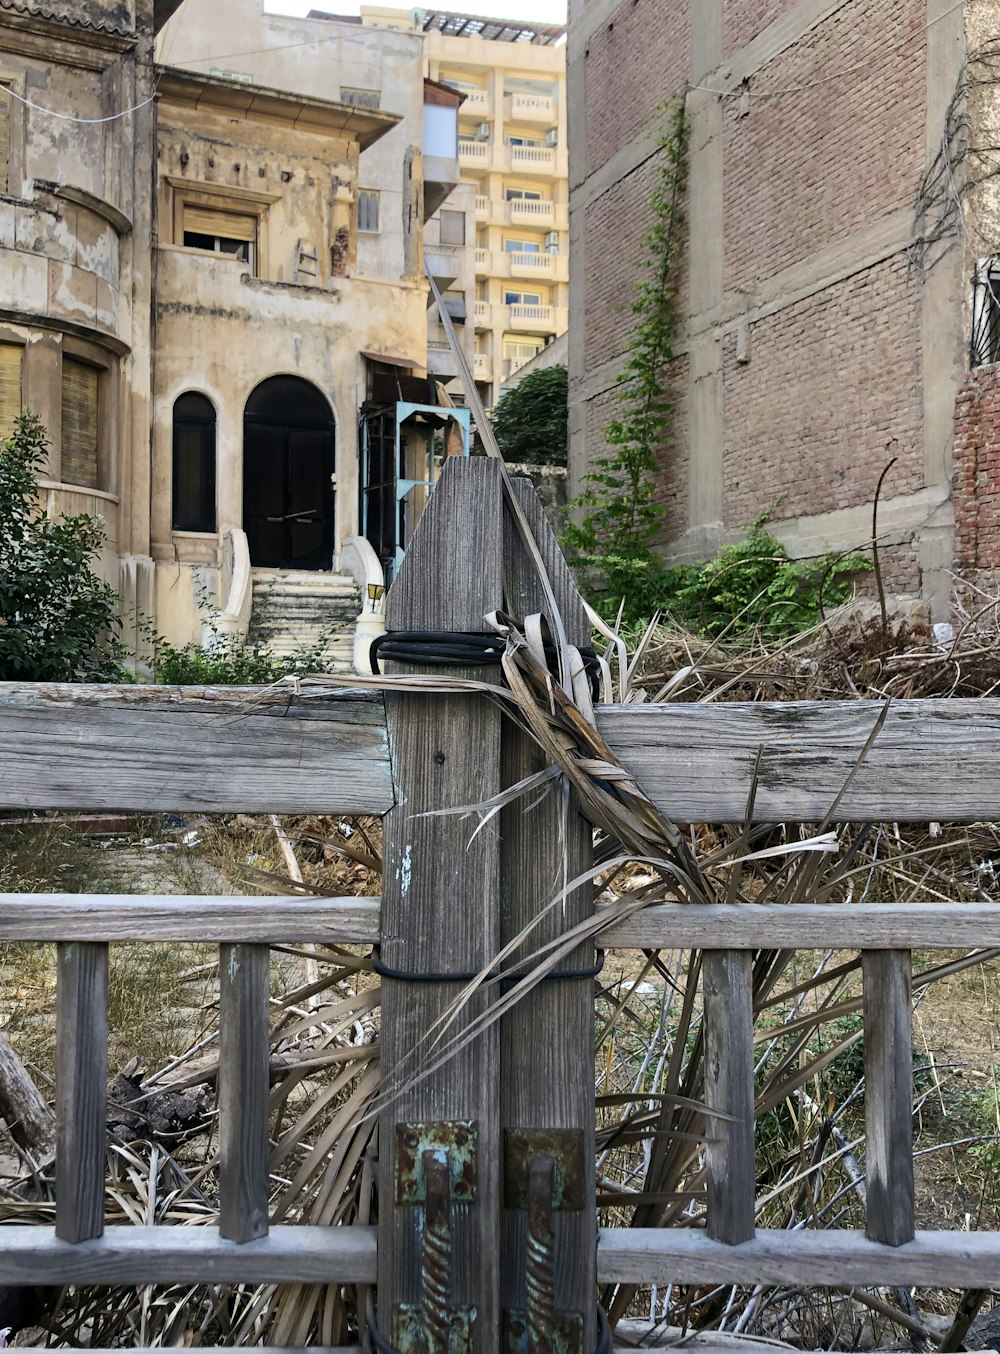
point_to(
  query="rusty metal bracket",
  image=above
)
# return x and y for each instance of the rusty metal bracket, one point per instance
(544, 1173)
(435, 1167)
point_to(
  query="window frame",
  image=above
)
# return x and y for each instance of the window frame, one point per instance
(375, 196)
(210, 474)
(216, 197)
(529, 298)
(452, 215)
(100, 399)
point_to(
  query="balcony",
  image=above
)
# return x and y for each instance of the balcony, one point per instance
(483, 367)
(515, 263)
(483, 262)
(531, 265)
(477, 103)
(482, 314)
(530, 108)
(535, 319)
(475, 154)
(482, 208)
(531, 159)
(530, 213)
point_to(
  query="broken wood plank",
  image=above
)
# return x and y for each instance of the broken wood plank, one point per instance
(888, 1017)
(807, 926)
(189, 918)
(192, 749)
(244, 1088)
(931, 760)
(197, 1255)
(81, 1090)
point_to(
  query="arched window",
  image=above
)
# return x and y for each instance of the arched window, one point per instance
(194, 464)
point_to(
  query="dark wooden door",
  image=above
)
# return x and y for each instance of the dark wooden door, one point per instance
(288, 498)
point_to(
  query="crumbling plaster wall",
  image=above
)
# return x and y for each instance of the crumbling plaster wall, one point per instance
(75, 245)
(221, 331)
(813, 349)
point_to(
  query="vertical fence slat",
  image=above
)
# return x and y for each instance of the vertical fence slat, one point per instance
(888, 1019)
(727, 979)
(244, 1067)
(81, 1090)
(441, 905)
(547, 1040)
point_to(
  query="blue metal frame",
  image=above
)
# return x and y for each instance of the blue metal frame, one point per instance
(463, 417)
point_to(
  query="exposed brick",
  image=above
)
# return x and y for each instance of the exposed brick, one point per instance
(830, 383)
(806, 169)
(742, 20)
(976, 480)
(650, 42)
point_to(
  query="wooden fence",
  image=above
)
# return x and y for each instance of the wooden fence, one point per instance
(487, 1219)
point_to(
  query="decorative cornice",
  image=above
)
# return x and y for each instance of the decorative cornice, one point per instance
(112, 16)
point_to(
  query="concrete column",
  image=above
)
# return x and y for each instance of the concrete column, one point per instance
(944, 342)
(706, 263)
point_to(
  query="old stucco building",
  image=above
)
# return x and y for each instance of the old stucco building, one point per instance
(830, 274)
(221, 358)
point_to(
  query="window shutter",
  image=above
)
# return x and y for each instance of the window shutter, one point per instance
(10, 386)
(5, 102)
(79, 423)
(452, 227)
(227, 225)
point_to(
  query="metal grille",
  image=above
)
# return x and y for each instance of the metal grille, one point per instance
(986, 314)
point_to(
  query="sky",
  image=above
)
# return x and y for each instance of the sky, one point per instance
(541, 11)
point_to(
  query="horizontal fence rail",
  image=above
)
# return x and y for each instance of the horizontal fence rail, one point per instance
(931, 759)
(155, 749)
(188, 918)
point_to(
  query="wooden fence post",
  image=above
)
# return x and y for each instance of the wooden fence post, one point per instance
(547, 1040)
(441, 915)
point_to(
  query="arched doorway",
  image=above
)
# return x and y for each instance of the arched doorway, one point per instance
(288, 466)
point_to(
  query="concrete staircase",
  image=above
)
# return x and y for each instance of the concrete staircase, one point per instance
(302, 609)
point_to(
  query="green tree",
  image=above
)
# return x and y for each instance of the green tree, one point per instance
(58, 621)
(531, 422)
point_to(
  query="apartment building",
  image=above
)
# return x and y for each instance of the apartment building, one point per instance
(843, 232)
(513, 154)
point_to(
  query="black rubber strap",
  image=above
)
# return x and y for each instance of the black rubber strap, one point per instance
(461, 649)
(504, 975)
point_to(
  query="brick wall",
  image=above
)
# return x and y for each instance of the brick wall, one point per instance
(742, 20)
(830, 382)
(808, 168)
(648, 40)
(976, 481)
(614, 272)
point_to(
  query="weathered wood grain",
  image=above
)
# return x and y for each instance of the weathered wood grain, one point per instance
(547, 1081)
(189, 918)
(440, 894)
(888, 1017)
(845, 926)
(801, 1258)
(167, 1255)
(244, 1090)
(729, 1152)
(81, 1094)
(213, 750)
(931, 760)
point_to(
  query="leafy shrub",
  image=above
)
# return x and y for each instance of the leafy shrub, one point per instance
(754, 587)
(531, 422)
(58, 621)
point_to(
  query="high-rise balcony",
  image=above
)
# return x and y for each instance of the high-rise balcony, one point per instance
(482, 314)
(477, 103)
(537, 108)
(483, 367)
(483, 265)
(540, 267)
(482, 208)
(525, 319)
(531, 159)
(475, 154)
(529, 212)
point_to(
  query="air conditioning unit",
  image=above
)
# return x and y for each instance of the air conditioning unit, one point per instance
(483, 132)
(552, 139)
(552, 242)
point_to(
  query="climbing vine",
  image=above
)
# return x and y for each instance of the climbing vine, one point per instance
(616, 519)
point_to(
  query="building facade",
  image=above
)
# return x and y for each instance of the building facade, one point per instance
(513, 293)
(229, 361)
(839, 224)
